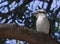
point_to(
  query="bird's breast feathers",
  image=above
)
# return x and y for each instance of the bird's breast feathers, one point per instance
(42, 24)
(40, 19)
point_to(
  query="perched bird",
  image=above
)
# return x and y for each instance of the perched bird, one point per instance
(42, 23)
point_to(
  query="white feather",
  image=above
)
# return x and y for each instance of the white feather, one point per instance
(42, 23)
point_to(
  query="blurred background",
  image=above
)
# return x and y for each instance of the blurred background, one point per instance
(20, 13)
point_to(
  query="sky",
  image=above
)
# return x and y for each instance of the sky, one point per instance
(33, 6)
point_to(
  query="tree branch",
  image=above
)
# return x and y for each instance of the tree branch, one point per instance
(49, 5)
(13, 31)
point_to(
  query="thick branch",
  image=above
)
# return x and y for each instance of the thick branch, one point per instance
(13, 31)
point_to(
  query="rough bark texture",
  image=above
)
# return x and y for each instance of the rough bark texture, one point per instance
(13, 31)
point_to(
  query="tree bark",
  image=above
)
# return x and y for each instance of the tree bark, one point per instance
(13, 31)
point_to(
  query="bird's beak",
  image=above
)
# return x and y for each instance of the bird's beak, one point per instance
(34, 13)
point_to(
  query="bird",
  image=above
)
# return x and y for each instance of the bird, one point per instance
(42, 22)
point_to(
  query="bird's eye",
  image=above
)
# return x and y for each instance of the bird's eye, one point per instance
(41, 12)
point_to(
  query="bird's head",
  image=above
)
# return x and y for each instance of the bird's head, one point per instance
(38, 12)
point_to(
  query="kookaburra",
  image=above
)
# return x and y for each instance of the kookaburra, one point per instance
(42, 23)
